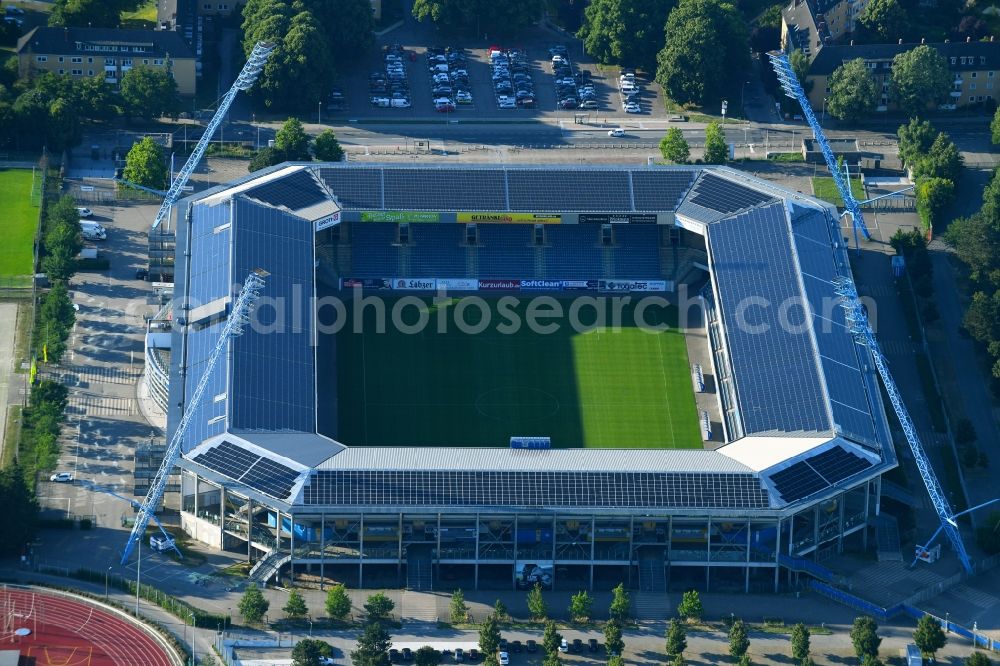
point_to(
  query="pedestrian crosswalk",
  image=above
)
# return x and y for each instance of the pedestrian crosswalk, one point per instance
(86, 404)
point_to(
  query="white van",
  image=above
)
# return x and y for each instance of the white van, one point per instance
(92, 230)
(160, 543)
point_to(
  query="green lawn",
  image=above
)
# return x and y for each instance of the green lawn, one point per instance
(824, 188)
(19, 221)
(603, 388)
(144, 17)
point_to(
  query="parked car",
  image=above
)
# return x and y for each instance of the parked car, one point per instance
(633, 107)
(504, 659)
(531, 646)
(444, 108)
(61, 477)
(563, 646)
(618, 131)
(592, 644)
(589, 104)
(577, 645)
(459, 655)
(83, 212)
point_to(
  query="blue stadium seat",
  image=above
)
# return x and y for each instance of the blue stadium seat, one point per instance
(437, 250)
(636, 251)
(506, 252)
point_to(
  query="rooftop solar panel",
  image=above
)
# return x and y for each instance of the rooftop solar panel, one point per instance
(798, 481)
(227, 459)
(534, 489)
(725, 196)
(778, 387)
(271, 478)
(568, 190)
(660, 189)
(294, 191)
(837, 464)
(454, 189)
(356, 188)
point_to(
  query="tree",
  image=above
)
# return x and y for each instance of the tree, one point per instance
(965, 432)
(995, 129)
(864, 637)
(149, 93)
(63, 239)
(310, 652)
(616, 660)
(581, 605)
(295, 607)
(97, 100)
(929, 637)
(378, 607)
(739, 641)
(552, 660)
(264, 158)
(673, 147)
(326, 148)
(349, 26)
(977, 659)
(706, 51)
(625, 32)
(870, 660)
(536, 603)
(745, 660)
(373, 646)
(920, 78)
(19, 518)
(933, 195)
(551, 639)
(800, 642)
(292, 140)
(146, 165)
(491, 660)
(690, 607)
(676, 637)
(915, 140)
(988, 535)
(338, 604)
(613, 637)
(884, 18)
(55, 320)
(942, 160)
(426, 656)
(852, 91)
(678, 660)
(63, 125)
(621, 604)
(90, 13)
(459, 609)
(478, 17)
(715, 144)
(300, 71)
(489, 635)
(253, 606)
(500, 611)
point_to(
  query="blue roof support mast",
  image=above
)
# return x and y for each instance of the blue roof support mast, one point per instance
(793, 89)
(857, 317)
(248, 76)
(239, 316)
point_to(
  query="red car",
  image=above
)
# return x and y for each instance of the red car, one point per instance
(445, 108)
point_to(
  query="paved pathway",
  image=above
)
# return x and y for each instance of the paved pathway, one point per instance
(8, 380)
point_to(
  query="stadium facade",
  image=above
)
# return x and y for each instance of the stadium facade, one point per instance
(801, 433)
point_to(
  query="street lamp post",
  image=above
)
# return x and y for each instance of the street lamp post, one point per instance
(725, 105)
(194, 659)
(319, 112)
(743, 108)
(106, 574)
(823, 116)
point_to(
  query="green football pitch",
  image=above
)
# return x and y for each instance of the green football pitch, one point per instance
(20, 217)
(602, 388)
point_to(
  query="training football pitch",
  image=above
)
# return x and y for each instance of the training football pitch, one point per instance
(19, 221)
(610, 387)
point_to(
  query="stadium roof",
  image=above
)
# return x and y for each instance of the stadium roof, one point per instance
(801, 388)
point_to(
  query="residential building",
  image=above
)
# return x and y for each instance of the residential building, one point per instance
(81, 52)
(974, 65)
(811, 24)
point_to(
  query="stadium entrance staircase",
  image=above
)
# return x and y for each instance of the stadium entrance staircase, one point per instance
(651, 606)
(418, 607)
(267, 567)
(652, 576)
(419, 568)
(887, 539)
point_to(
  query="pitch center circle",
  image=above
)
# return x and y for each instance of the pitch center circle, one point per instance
(510, 403)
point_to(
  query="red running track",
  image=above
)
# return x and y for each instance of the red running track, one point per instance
(65, 632)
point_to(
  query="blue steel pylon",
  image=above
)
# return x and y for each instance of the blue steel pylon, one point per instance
(857, 318)
(793, 89)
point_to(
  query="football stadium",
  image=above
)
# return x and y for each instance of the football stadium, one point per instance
(492, 376)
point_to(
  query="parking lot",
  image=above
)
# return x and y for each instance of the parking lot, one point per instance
(473, 93)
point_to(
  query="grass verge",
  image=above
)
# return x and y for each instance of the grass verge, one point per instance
(786, 157)
(825, 188)
(142, 18)
(11, 430)
(20, 222)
